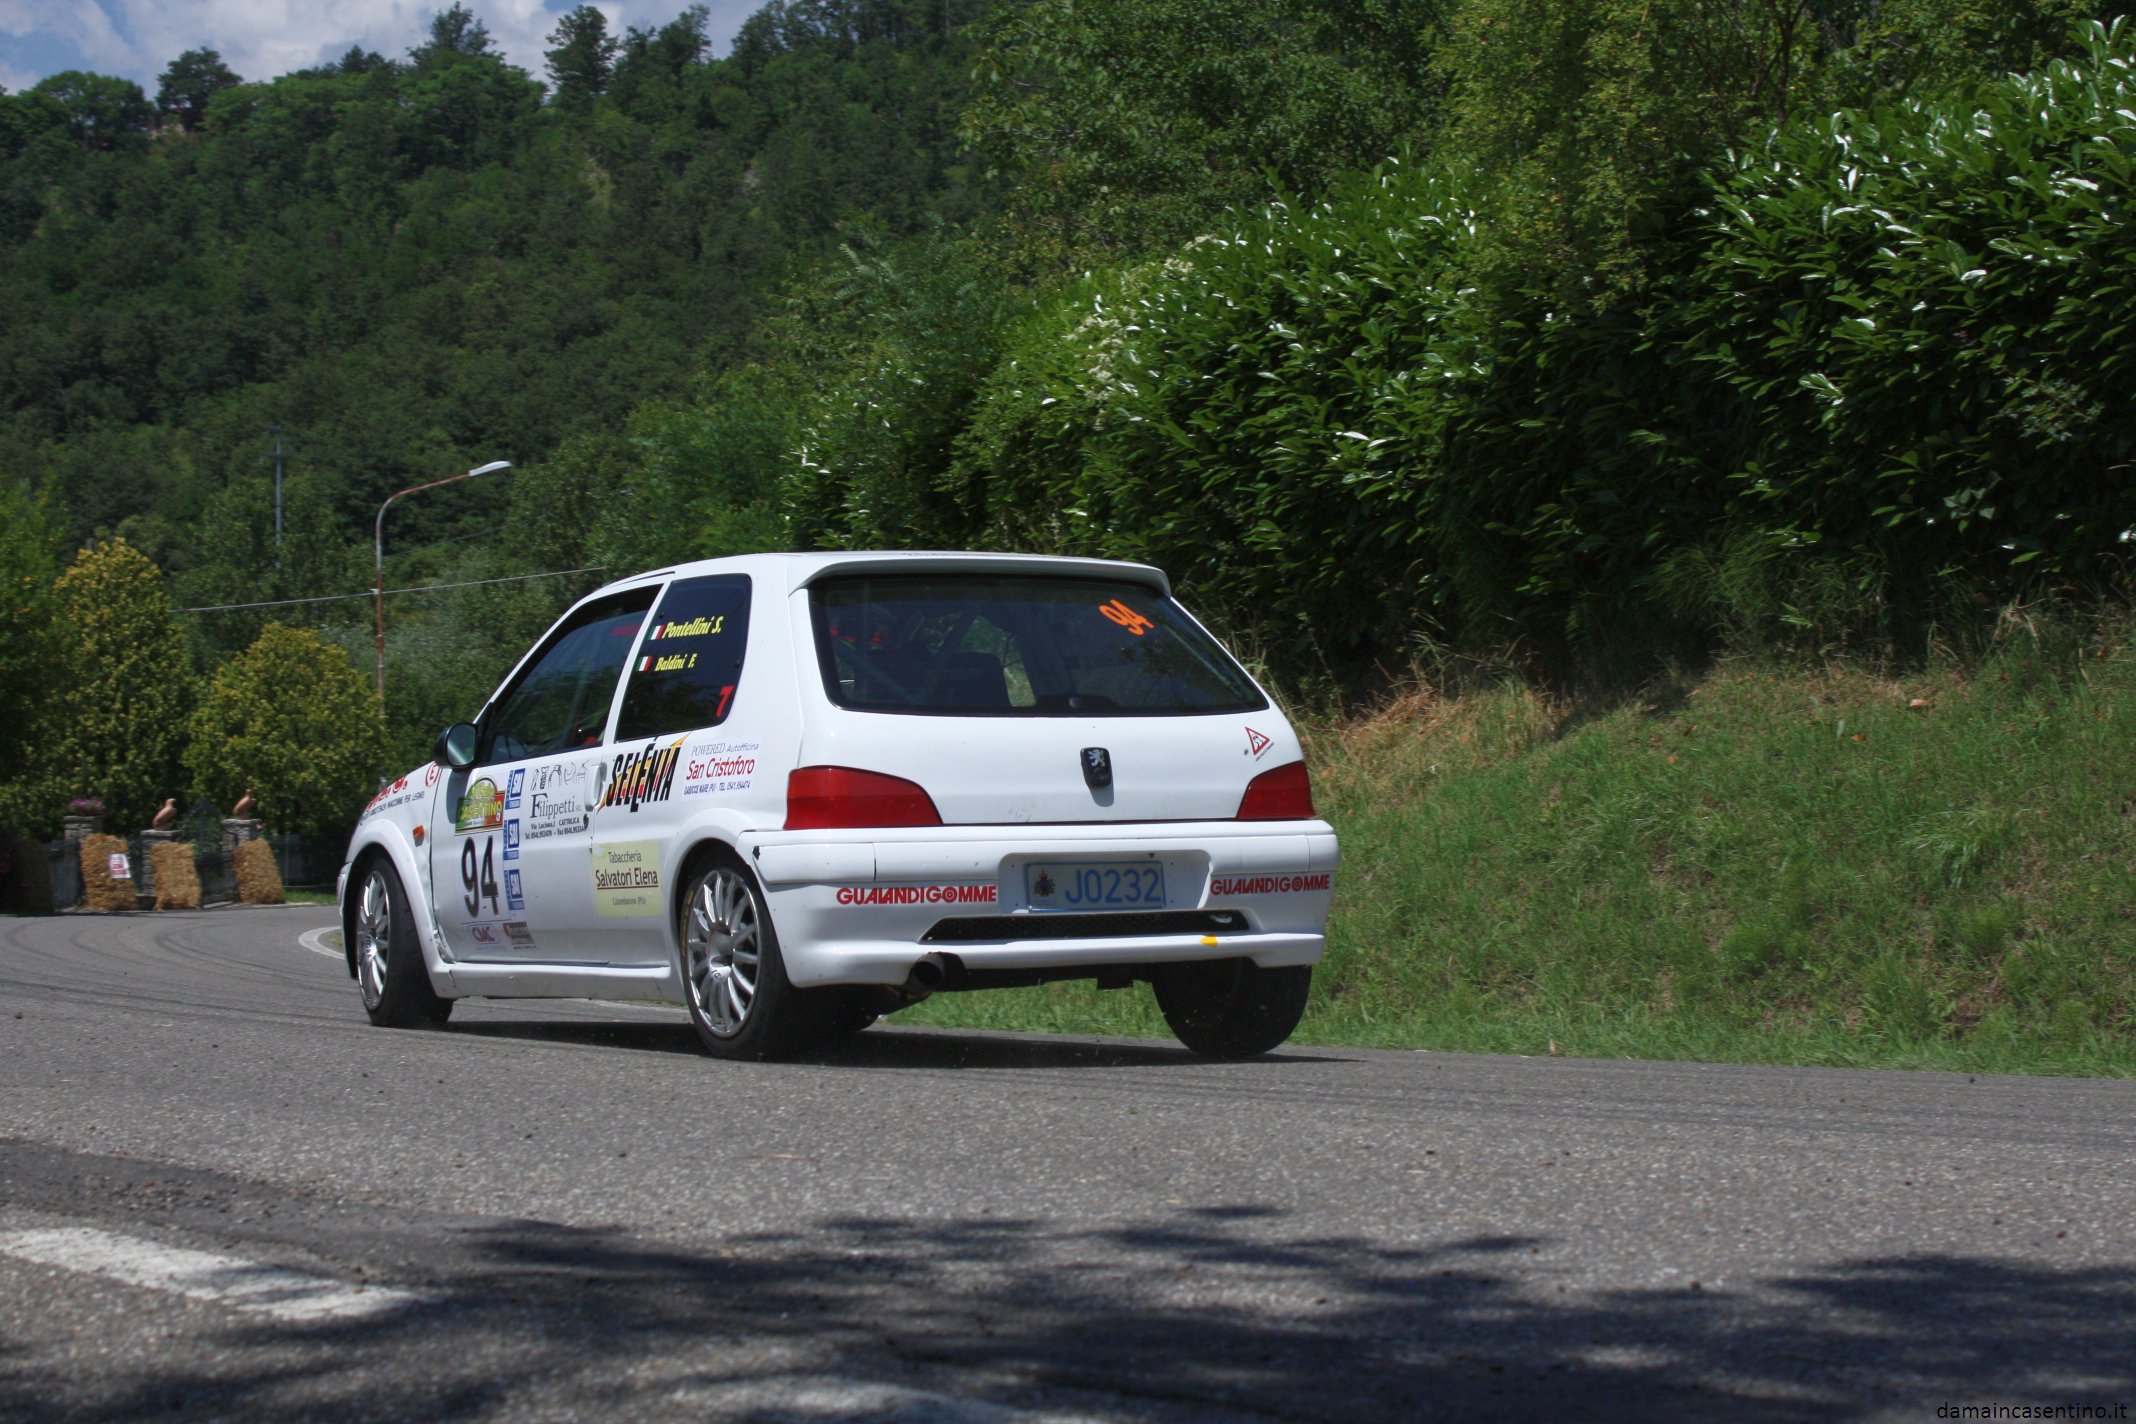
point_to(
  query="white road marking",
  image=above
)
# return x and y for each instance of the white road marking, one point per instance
(848, 1401)
(294, 1296)
(315, 941)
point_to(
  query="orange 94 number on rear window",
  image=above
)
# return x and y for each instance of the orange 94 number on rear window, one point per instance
(1126, 617)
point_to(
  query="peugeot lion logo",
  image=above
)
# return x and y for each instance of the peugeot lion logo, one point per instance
(1097, 768)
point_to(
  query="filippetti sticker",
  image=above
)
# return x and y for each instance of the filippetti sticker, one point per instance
(626, 879)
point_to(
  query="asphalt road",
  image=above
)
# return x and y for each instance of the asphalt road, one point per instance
(224, 1196)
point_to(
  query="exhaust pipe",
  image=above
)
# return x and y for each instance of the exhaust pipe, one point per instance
(928, 974)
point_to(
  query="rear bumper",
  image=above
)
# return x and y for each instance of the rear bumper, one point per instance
(863, 907)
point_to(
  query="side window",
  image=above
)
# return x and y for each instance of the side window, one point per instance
(561, 699)
(691, 660)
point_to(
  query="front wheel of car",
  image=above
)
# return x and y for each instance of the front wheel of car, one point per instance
(733, 979)
(1231, 1008)
(390, 974)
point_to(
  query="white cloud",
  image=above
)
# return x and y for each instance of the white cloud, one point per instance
(81, 25)
(264, 38)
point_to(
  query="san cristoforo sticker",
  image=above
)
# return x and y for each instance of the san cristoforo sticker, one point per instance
(719, 767)
(626, 879)
(481, 808)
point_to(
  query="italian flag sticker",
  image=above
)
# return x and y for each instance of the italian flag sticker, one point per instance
(645, 664)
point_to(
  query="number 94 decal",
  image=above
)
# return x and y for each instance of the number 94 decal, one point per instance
(1126, 617)
(478, 881)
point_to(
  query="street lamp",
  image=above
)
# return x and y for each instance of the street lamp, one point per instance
(378, 550)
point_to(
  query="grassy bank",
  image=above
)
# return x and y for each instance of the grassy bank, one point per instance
(1764, 863)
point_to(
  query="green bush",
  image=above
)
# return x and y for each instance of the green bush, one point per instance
(1262, 414)
(122, 686)
(291, 720)
(1926, 308)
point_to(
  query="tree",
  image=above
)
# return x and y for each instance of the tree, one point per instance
(1132, 123)
(123, 685)
(453, 32)
(291, 720)
(192, 80)
(101, 112)
(583, 58)
(1600, 115)
(29, 643)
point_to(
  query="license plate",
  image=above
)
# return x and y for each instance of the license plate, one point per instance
(1125, 885)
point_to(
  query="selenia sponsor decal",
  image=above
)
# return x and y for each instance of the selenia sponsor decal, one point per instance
(643, 776)
(481, 809)
(917, 894)
(626, 879)
(1269, 884)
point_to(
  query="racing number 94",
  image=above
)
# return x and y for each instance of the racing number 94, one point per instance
(479, 887)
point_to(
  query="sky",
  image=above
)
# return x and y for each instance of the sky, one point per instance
(136, 39)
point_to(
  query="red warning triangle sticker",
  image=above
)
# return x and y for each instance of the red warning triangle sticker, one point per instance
(1256, 743)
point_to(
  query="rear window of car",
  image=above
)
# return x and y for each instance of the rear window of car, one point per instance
(1005, 646)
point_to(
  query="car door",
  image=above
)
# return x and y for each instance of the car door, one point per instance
(510, 847)
(681, 686)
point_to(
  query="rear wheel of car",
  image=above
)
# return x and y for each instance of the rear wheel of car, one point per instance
(733, 979)
(1230, 1008)
(390, 973)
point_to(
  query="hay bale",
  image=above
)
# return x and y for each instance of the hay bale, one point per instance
(258, 881)
(28, 890)
(177, 878)
(101, 890)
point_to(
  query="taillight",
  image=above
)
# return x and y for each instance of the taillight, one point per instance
(826, 798)
(1282, 793)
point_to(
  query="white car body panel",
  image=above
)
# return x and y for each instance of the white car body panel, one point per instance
(596, 914)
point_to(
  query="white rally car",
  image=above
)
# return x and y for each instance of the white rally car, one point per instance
(797, 791)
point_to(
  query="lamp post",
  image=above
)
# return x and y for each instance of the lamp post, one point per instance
(378, 550)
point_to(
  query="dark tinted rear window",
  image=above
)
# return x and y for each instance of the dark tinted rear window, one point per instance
(1018, 646)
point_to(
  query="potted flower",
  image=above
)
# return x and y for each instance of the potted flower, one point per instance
(85, 817)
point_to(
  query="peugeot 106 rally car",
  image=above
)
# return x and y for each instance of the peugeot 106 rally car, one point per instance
(798, 791)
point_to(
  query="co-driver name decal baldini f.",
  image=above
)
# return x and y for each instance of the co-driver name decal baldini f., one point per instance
(647, 774)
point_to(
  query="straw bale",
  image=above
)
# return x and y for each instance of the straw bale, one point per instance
(258, 881)
(177, 878)
(99, 890)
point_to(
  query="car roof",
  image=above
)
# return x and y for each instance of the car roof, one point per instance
(796, 571)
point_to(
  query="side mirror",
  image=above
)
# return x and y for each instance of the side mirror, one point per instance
(455, 746)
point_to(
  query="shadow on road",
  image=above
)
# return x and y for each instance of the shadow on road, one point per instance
(1210, 1312)
(878, 1049)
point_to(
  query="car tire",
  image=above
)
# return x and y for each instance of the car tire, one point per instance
(733, 977)
(1230, 1008)
(388, 960)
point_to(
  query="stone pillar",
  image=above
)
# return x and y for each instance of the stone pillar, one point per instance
(67, 885)
(145, 868)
